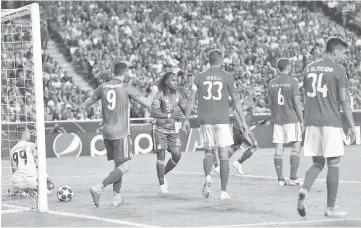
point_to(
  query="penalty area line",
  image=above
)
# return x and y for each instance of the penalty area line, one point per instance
(115, 221)
(264, 177)
(288, 222)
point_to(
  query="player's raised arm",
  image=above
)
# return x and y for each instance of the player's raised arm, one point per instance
(146, 102)
(296, 95)
(345, 104)
(270, 102)
(93, 99)
(191, 102)
(241, 119)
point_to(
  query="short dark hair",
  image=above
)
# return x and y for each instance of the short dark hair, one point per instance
(119, 68)
(335, 43)
(21, 129)
(282, 64)
(215, 56)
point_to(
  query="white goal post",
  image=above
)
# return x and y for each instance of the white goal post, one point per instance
(7, 16)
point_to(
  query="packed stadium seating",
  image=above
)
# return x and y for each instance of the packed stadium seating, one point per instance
(154, 37)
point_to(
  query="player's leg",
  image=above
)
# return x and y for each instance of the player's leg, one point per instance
(207, 134)
(295, 162)
(215, 161)
(333, 152)
(223, 141)
(160, 141)
(279, 138)
(250, 142)
(312, 148)
(174, 148)
(117, 198)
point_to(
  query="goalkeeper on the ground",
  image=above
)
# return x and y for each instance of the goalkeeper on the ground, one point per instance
(24, 164)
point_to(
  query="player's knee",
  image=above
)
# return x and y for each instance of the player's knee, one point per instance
(208, 152)
(124, 167)
(176, 156)
(254, 149)
(279, 149)
(296, 153)
(161, 155)
(319, 161)
(223, 155)
(333, 161)
(296, 148)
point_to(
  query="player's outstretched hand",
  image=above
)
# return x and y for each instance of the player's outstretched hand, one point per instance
(186, 126)
(177, 115)
(352, 134)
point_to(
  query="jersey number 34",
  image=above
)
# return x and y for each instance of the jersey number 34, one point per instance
(316, 78)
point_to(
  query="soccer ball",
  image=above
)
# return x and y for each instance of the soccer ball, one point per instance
(64, 193)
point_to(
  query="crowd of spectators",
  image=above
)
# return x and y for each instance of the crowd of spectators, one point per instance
(62, 98)
(155, 37)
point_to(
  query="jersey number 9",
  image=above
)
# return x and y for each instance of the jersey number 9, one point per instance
(111, 98)
(23, 156)
(210, 85)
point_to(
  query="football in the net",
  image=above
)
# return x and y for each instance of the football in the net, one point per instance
(64, 193)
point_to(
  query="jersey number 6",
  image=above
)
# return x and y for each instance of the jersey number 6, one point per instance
(210, 85)
(280, 98)
(111, 98)
(322, 89)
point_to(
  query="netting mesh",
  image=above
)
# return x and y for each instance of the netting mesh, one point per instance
(17, 95)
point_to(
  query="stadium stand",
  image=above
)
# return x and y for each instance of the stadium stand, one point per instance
(154, 37)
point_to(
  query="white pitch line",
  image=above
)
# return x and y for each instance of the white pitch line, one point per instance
(264, 177)
(286, 223)
(60, 213)
(115, 221)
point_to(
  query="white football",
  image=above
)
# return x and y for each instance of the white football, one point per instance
(64, 193)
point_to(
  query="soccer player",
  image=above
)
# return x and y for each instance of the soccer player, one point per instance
(286, 110)
(115, 99)
(325, 84)
(250, 107)
(168, 110)
(24, 164)
(212, 88)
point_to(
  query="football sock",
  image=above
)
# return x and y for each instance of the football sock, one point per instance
(231, 151)
(160, 172)
(113, 176)
(295, 162)
(278, 161)
(333, 175)
(311, 175)
(224, 174)
(170, 166)
(207, 164)
(117, 185)
(247, 154)
(215, 161)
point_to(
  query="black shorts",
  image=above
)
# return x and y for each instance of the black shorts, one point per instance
(118, 150)
(163, 141)
(240, 138)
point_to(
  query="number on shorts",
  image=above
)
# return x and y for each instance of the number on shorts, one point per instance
(322, 89)
(23, 156)
(209, 90)
(111, 98)
(280, 98)
(177, 142)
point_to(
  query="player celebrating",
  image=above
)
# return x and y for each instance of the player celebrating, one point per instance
(286, 110)
(115, 98)
(213, 87)
(325, 84)
(24, 163)
(168, 108)
(249, 141)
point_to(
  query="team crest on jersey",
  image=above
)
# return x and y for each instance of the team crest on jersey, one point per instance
(159, 147)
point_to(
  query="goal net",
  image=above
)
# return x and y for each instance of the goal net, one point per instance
(21, 105)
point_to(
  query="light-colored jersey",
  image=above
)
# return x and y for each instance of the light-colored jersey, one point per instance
(24, 158)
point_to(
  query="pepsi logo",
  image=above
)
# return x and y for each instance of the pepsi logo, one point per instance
(67, 144)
